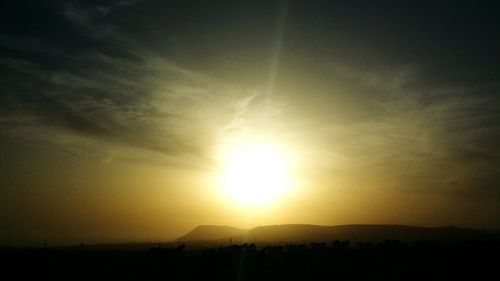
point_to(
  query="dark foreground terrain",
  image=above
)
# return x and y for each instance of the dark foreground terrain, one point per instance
(336, 260)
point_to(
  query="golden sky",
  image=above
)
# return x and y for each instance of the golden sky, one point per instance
(118, 122)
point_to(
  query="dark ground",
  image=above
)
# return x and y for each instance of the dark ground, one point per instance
(337, 260)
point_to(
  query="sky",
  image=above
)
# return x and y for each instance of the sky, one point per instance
(116, 116)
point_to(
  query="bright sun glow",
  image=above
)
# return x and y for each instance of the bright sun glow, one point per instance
(255, 175)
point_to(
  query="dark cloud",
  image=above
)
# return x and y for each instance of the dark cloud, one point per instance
(78, 76)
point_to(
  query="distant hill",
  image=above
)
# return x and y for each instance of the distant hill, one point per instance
(354, 232)
(212, 232)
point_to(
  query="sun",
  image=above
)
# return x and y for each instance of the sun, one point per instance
(255, 175)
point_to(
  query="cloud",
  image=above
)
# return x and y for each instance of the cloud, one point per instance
(99, 99)
(100, 81)
(98, 96)
(106, 108)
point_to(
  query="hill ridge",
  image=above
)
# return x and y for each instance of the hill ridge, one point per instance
(312, 232)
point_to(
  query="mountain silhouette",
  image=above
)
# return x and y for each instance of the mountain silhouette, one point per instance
(212, 232)
(355, 232)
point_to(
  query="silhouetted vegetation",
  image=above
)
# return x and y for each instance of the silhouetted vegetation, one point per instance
(337, 260)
